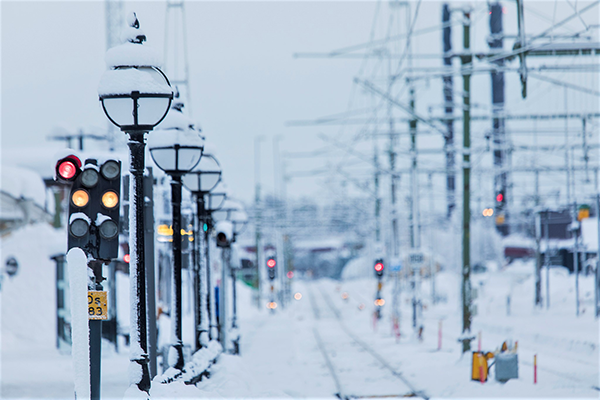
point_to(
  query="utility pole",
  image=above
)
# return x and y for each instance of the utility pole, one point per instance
(449, 111)
(114, 26)
(538, 259)
(258, 222)
(466, 58)
(495, 42)
(597, 275)
(176, 56)
(576, 230)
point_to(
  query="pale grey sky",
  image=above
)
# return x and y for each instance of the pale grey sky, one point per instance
(244, 79)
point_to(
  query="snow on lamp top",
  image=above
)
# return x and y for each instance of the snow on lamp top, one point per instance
(132, 53)
(132, 66)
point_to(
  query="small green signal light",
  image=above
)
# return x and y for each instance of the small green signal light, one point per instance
(205, 227)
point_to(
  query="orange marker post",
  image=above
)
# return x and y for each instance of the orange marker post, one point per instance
(535, 369)
(479, 341)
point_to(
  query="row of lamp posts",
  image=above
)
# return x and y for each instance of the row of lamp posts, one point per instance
(136, 96)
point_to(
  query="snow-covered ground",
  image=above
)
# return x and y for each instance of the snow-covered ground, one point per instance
(294, 351)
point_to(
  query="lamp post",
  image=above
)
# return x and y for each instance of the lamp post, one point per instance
(200, 182)
(213, 201)
(176, 149)
(239, 219)
(136, 96)
(232, 212)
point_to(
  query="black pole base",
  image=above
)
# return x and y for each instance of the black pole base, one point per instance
(144, 383)
(178, 349)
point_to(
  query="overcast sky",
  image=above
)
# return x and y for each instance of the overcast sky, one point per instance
(245, 81)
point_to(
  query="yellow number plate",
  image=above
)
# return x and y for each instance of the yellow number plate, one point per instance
(97, 308)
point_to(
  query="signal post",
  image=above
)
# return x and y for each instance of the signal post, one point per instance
(271, 264)
(379, 302)
(93, 226)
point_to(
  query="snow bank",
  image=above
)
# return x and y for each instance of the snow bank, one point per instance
(22, 183)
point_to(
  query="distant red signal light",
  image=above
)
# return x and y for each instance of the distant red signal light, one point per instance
(499, 197)
(127, 258)
(271, 263)
(379, 267)
(290, 274)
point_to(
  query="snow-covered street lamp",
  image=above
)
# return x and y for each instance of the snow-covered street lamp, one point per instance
(176, 148)
(239, 219)
(232, 212)
(136, 96)
(200, 181)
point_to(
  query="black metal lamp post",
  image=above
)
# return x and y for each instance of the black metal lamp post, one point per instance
(200, 182)
(136, 96)
(176, 149)
(231, 211)
(239, 219)
(213, 201)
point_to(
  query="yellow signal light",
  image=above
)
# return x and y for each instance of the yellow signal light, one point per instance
(80, 198)
(379, 302)
(110, 199)
(164, 230)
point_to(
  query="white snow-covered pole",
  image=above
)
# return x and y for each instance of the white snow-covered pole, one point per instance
(136, 96)
(78, 280)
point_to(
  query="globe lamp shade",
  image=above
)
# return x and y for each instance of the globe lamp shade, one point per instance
(135, 98)
(205, 176)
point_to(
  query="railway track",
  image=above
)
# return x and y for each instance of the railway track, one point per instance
(378, 379)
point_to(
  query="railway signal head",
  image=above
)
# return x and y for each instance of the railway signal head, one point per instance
(271, 263)
(379, 267)
(94, 207)
(500, 200)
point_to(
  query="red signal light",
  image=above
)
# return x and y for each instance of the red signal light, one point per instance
(379, 267)
(499, 197)
(67, 170)
(290, 274)
(271, 263)
(126, 258)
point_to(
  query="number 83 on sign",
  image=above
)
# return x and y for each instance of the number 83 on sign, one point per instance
(97, 308)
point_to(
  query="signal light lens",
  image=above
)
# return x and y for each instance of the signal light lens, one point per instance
(89, 177)
(110, 199)
(127, 258)
(298, 296)
(499, 197)
(110, 169)
(379, 267)
(221, 238)
(109, 229)
(67, 170)
(272, 305)
(79, 227)
(271, 263)
(290, 274)
(379, 302)
(80, 198)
